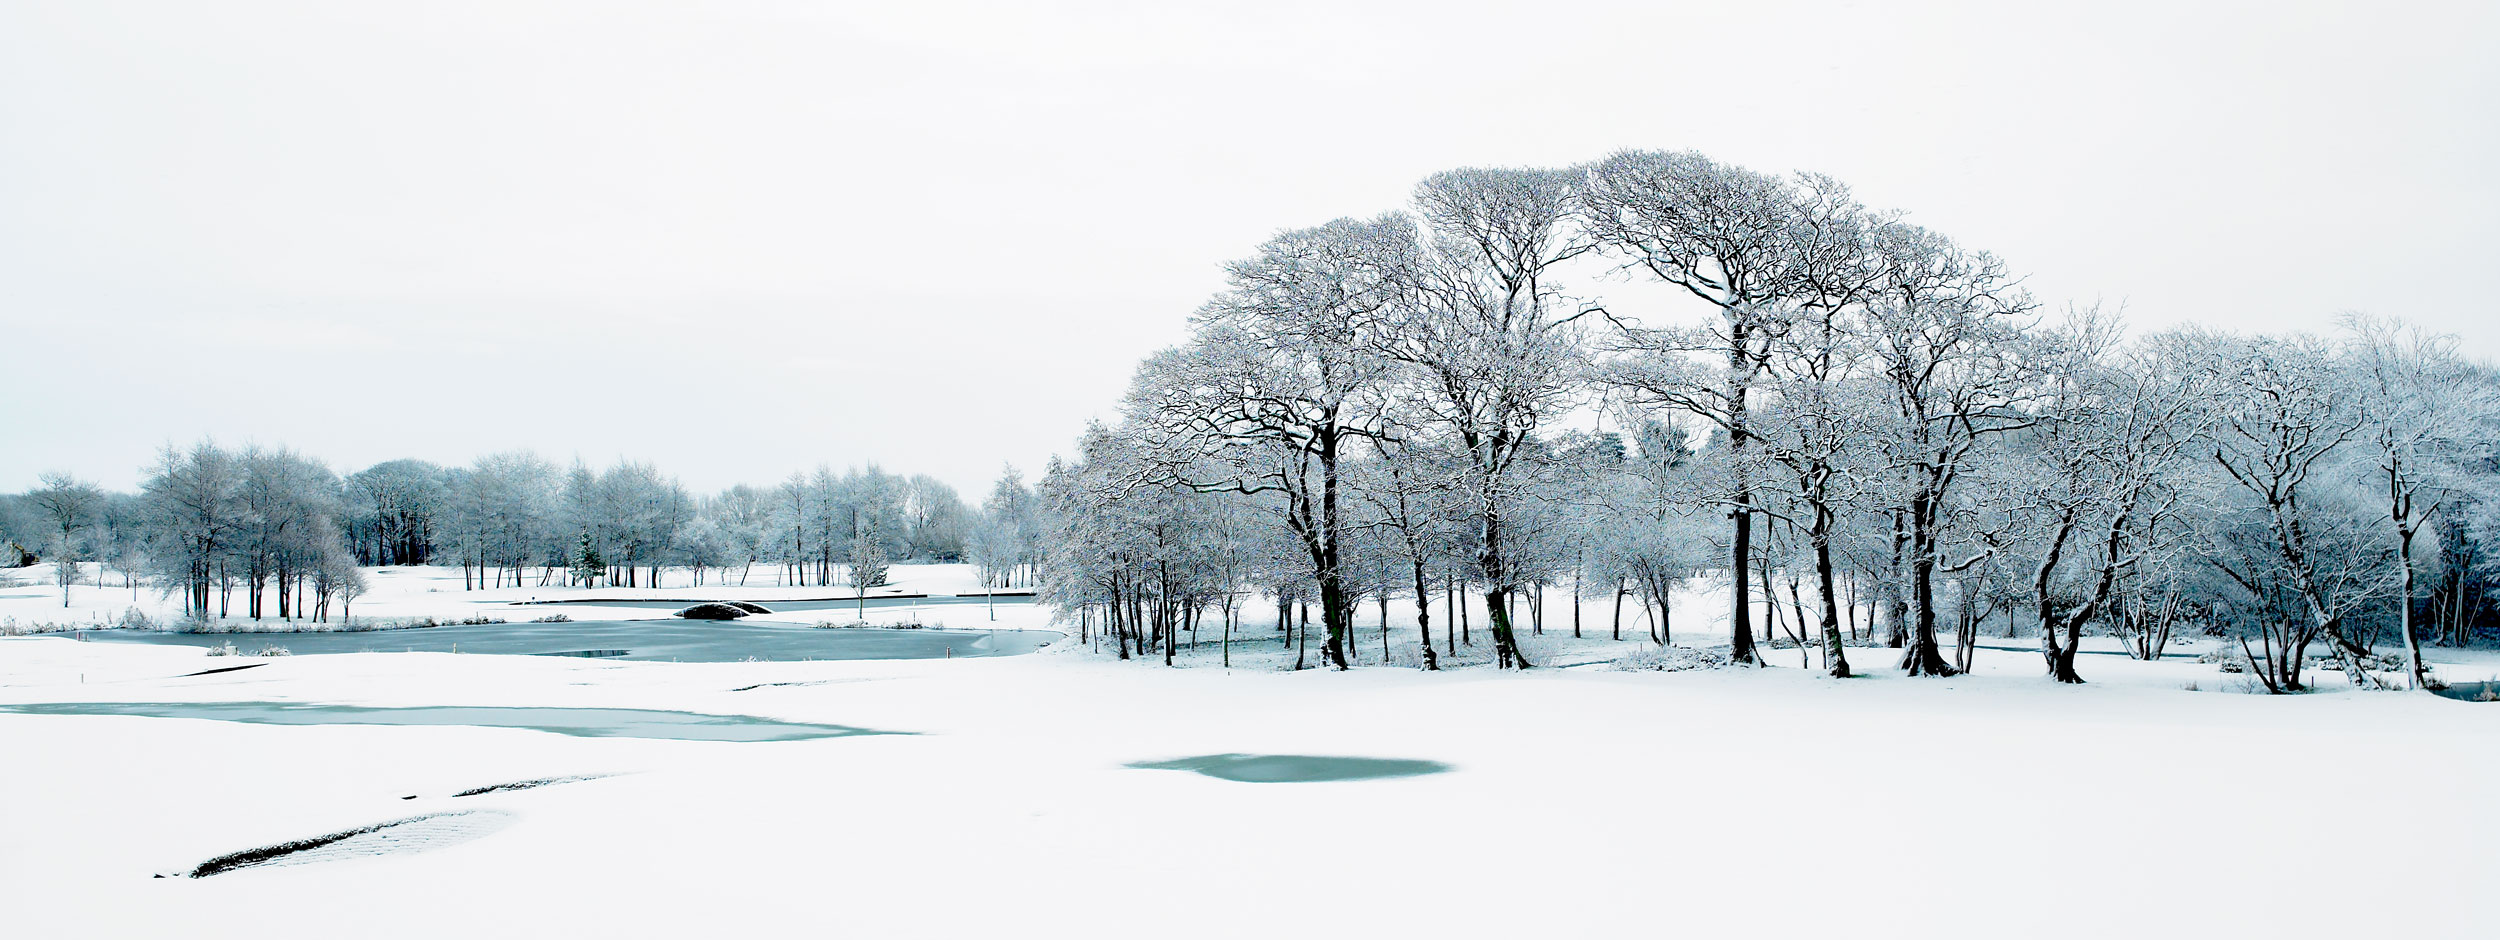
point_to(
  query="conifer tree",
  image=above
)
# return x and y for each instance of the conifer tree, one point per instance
(587, 565)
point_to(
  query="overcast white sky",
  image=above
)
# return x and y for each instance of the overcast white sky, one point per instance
(742, 238)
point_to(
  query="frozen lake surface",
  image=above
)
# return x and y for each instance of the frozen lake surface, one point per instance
(578, 722)
(688, 641)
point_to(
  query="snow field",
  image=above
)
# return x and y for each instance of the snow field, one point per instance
(1582, 801)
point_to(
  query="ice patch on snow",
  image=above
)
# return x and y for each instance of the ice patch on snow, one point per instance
(1295, 768)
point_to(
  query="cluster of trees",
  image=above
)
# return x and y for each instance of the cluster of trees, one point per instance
(1836, 410)
(208, 521)
(289, 535)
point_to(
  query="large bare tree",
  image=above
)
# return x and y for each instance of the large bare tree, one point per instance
(1732, 238)
(1493, 351)
(1942, 337)
(1281, 379)
(2115, 430)
(2422, 417)
(66, 504)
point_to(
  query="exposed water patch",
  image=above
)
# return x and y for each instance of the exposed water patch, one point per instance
(414, 834)
(2488, 691)
(807, 604)
(2034, 650)
(1295, 768)
(577, 722)
(676, 640)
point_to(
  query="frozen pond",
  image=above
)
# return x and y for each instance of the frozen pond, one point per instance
(1295, 768)
(578, 722)
(799, 606)
(688, 641)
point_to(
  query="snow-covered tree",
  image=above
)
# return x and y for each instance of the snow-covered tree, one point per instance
(2425, 422)
(66, 505)
(1944, 344)
(1279, 384)
(1492, 351)
(1738, 242)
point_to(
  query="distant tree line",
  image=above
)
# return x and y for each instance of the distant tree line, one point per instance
(263, 532)
(1854, 426)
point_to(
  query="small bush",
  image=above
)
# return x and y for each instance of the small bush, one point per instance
(553, 618)
(1673, 659)
(2229, 661)
(224, 649)
(271, 649)
(10, 626)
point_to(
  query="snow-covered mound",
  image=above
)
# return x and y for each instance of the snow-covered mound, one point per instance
(414, 834)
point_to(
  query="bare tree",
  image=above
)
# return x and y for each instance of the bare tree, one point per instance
(1942, 335)
(2422, 414)
(1741, 242)
(1492, 354)
(66, 504)
(2114, 431)
(1411, 489)
(1279, 383)
(2276, 423)
(867, 567)
(193, 512)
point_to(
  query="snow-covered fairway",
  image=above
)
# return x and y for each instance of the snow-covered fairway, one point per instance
(1583, 803)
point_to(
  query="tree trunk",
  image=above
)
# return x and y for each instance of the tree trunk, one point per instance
(1506, 653)
(2415, 676)
(1740, 602)
(1618, 609)
(1423, 617)
(1834, 652)
(1302, 653)
(1922, 657)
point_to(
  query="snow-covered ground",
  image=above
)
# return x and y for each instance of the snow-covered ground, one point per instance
(1584, 800)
